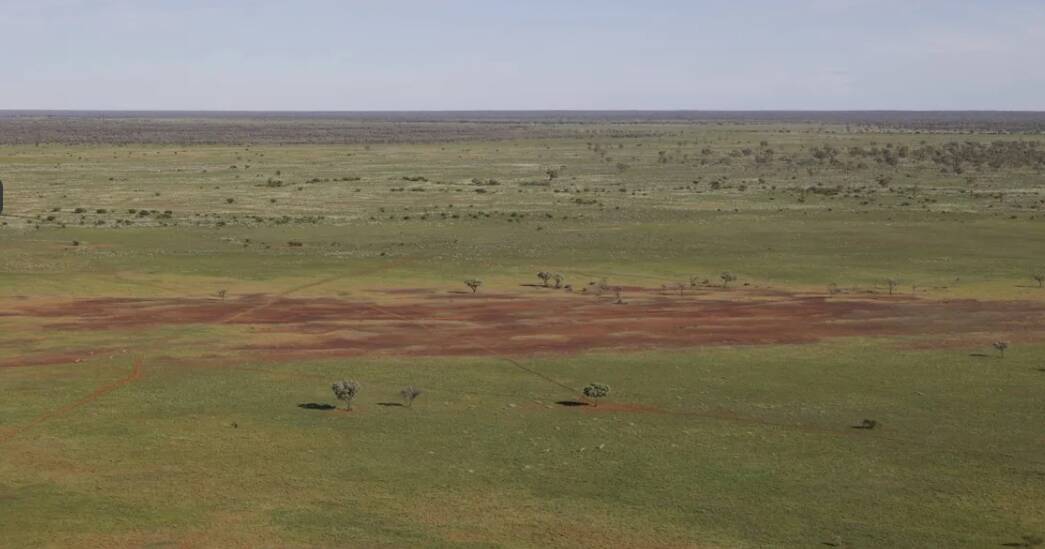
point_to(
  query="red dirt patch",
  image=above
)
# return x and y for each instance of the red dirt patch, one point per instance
(429, 324)
(65, 357)
(622, 407)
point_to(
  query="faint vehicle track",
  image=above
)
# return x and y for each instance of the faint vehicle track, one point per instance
(135, 374)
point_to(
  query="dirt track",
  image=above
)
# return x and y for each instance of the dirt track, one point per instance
(433, 323)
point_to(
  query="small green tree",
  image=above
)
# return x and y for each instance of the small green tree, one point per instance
(474, 284)
(595, 391)
(727, 278)
(1040, 279)
(221, 294)
(1001, 346)
(346, 390)
(891, 283)
(558, 278)
(410, 393)
(544, 276)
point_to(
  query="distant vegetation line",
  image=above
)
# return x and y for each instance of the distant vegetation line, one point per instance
(228, 127)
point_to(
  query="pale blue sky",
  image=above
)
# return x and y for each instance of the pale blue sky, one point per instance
(526, 54)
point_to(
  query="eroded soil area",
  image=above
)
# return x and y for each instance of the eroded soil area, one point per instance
(437, 323)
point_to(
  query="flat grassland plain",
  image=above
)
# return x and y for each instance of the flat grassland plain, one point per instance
(179, 291)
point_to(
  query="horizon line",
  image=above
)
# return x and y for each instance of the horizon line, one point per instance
(528, 110)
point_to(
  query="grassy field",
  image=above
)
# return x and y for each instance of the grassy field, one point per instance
(173, 315)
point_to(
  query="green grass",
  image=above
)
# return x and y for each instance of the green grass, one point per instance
(748, 447)
(713, 446)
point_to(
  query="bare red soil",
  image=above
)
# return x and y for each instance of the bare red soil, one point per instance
(64, 357)
(431, 323)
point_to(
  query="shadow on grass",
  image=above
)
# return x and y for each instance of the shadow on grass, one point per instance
(572, 403)
(316, 406)
(393, 404)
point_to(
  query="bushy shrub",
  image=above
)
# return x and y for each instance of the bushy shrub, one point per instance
(595, 391)
(346, 390)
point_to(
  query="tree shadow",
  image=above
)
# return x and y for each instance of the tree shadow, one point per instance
(316, 406)
(392, 404)
(979, 355)
(572, 403)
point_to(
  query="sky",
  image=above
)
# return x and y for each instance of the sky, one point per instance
(360, 55)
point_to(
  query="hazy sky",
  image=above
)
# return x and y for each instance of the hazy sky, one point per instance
(524, 54)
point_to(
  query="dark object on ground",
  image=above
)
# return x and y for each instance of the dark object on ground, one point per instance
(572, 403)
(866, 424)
(316, 406)
(1027, 541)
(397, 404)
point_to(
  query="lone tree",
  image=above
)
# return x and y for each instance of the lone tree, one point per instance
(346, 390)
(221, 294)
(558, 278)
(1040, 279)
(474, 284)
(409, 394)
(727, 278)
(891, 282)
(595, 391)
(544, 276)
(619, 292)
(1001, 346)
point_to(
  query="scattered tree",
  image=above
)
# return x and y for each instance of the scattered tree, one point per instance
(727, 278)
(474, 284)
(595, 391)
(1001, 346)
(221, 294)
(619, 292)
(544, 276)
(409, 394)
(346, 390)
(891, 283)
(1040, 279)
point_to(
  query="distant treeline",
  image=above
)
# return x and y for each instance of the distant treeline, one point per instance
(196, 127)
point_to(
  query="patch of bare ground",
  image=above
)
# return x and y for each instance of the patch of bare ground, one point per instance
(437, 323)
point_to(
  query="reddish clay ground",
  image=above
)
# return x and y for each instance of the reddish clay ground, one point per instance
(432, 323)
